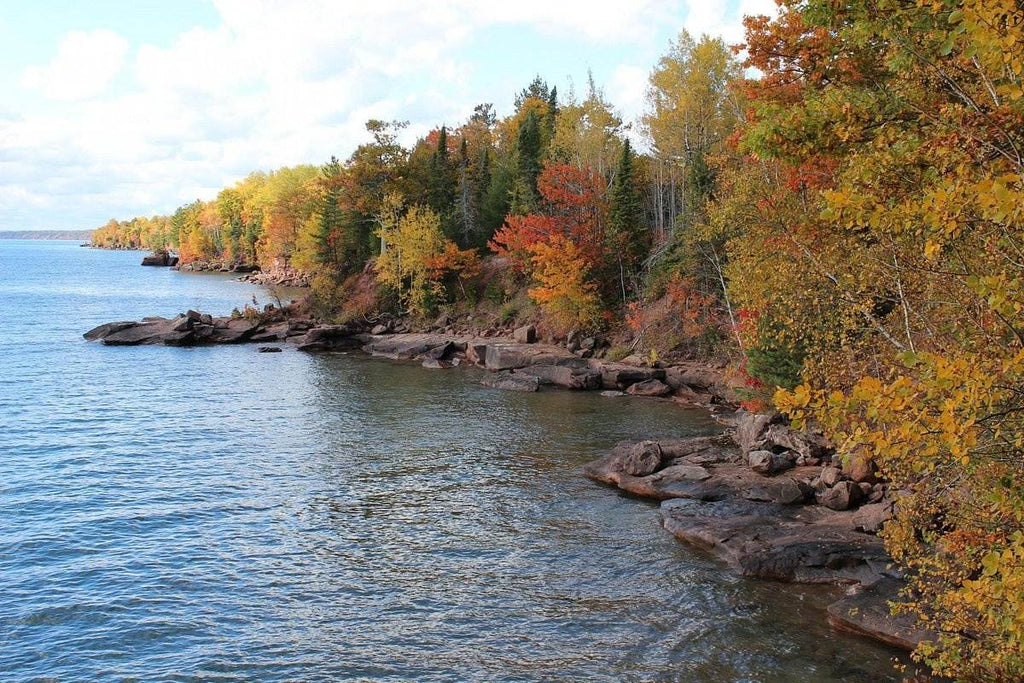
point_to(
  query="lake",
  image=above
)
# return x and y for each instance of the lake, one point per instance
(218, 514)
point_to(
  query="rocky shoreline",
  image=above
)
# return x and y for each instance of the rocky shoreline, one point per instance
(770, 502)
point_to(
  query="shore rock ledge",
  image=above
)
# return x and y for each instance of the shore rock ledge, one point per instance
(750, 500)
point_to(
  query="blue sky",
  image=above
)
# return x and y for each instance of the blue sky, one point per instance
(116, 109)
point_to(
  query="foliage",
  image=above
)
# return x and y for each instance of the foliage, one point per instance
(563, 290)
(887, 249)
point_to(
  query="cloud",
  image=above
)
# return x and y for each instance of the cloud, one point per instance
(85, 64)
(138, 129)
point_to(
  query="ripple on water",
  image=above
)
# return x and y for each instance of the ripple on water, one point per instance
(219, 515)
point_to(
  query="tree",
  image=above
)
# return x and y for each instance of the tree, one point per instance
(442, 180)
(528, 165)
(411, 246)
(563, 288)
(626, 230)
(889, 252)
(691, 113)
(572, 206)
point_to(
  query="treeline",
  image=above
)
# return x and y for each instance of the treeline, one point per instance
(555, 189)
(847, 224)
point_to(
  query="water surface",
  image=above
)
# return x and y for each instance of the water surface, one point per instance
(220, 514)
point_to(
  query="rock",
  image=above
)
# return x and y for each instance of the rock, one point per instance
(588, 344)
(435, 364)
(650, 387)
(870, 518)
(107, 329)
(511, 382)
(379, 329)
(767, 463)
(772, 541)
(476, 353)
(806, 444)
(527, 334)
(697, 377)
(843, 496)
(506, 356)
(158, 258)
(643, 459)
(618, 376)
(328, 338)
(750, 430)
(859, 467)
(269, 349)
(633, 360)
(441, 351)
(206, 319)
(612, 393)
(569, 376)
(866, 612)
(830, 476)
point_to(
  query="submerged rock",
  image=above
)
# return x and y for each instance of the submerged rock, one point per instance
(866, 612)
(511, 381)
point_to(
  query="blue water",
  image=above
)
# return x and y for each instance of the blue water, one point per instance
(218, 514)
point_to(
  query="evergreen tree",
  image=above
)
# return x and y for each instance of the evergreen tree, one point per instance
(528, 165)
(552, 114)
(442, 182)
(626, 227)
(330, 217)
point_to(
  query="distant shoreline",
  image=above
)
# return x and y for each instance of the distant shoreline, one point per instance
(78, 235)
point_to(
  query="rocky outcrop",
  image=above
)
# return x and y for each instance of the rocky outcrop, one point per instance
(865, 611)
(191, 329)
(160, 258)
(746, 498)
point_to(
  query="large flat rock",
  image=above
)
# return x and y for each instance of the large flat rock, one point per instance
(512, 356)
(866, 612)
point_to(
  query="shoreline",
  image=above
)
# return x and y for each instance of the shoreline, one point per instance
(768, 502)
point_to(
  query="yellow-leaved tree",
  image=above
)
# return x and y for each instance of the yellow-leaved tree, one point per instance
(888, 259)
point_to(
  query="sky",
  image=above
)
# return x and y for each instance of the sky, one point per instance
(113, 109)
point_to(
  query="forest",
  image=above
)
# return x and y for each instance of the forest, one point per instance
(835, 206)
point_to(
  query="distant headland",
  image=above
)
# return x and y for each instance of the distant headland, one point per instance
(81, 235)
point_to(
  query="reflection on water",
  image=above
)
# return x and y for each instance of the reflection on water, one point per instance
(197, 514)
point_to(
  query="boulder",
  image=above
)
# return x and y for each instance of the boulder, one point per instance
(269, 349)
(157, 258)
(830, 476)
(327, 338)
(870, 518)
(772, 541)
(806, 444)
(527, 334)
(843, 496)
(859, 467)
(650, 387)
(768, 463)
(618, 376)
(379, 329)
(476, 352)
(107, 329)
(642, 459)
(750, 430)
(510, 381)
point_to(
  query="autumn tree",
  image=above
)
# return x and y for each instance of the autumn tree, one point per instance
(890, 257)
(691, 113)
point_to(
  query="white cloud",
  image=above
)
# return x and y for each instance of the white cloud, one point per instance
(85, 64)
(278, 82)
